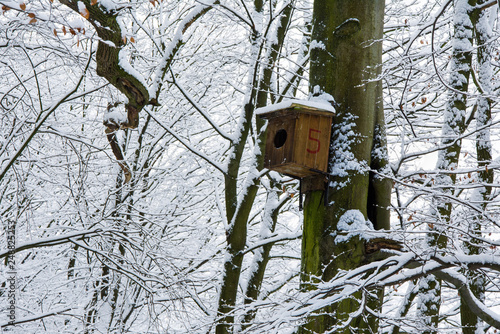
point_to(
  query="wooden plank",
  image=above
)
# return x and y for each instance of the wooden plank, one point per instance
(300, 140)
(279, 155)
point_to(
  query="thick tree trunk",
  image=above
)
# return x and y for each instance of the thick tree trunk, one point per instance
(346, 57)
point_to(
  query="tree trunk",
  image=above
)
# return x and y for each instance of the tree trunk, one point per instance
(453, 127)
(470, 322)
(346, 57)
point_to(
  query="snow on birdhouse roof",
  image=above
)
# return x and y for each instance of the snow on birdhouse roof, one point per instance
(317, 106)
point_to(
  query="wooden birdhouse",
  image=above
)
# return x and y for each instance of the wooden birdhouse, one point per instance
(298, 137)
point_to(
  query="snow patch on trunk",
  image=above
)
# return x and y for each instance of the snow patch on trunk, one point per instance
(351, 224)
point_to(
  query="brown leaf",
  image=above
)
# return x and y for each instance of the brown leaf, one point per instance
(32, 15)
(55, 32)
(85, 13)
(431, 225)
(22, 6)
(132, 39)
(32, 21)
(124, 39)
(93, 2)
(64, 30)
(424, 99)
(72, 31)
(5, 8)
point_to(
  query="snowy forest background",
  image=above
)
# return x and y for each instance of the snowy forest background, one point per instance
(123, 230)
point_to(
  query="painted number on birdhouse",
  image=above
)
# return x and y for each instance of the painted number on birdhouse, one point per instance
(314, 137)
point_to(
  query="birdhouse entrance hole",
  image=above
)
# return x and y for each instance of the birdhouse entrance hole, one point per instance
(280, 138)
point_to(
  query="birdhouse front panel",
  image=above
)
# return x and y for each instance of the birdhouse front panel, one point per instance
(312, 139)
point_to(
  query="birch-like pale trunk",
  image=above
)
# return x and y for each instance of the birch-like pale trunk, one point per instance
(448, 158)
(471, 324)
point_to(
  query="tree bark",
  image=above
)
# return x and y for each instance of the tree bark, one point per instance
(470, 321)
(453, 127)
(346, 57)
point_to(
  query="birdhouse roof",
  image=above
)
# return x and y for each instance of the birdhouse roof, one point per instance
(313, 107)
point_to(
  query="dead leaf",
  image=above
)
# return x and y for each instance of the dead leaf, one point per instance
(132, 39)
(55, 32)
(85, 13)
(64, 30)
(72, 31)
(32, 15)
(93, 2)
(32, 21)
(22, 6)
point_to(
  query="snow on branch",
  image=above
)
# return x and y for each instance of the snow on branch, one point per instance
(54, 241)
(198, 108)
(33, 318)
(391, 271)
(188, 146)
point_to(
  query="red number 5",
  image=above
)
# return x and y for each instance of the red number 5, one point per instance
(315, 140)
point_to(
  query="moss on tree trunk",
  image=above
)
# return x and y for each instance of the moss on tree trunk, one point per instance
(346, 56)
